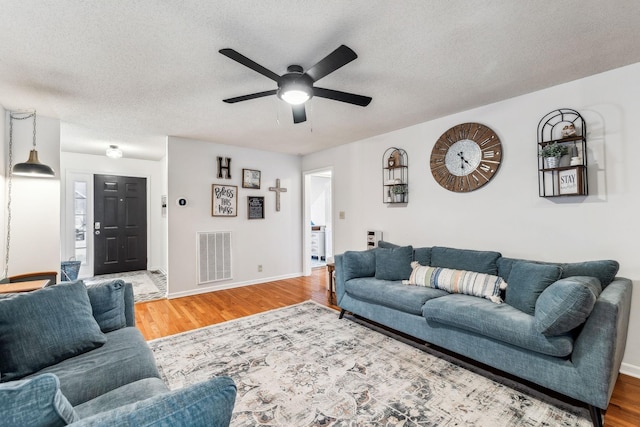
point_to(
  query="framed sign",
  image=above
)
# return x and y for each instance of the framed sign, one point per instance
(255, 207)
(224, 200)
(570, 182)
(250, 179)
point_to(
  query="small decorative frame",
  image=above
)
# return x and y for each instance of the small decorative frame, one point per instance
(251, 179)
(255, 207)
(570, 182)
(224, 200)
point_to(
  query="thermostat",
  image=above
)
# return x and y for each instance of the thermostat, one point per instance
(181, 201)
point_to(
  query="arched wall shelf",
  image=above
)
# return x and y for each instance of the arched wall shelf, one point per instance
(568, 175)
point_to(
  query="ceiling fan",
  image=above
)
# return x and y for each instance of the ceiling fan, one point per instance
(296, 86)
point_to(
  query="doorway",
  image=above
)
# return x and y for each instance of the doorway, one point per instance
(119, 224)
(318, 219)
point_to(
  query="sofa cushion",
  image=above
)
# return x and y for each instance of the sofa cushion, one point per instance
(387, 245)
(35, 402)
(408, 299)
(422, 255)
(44, 327)
(128, 393)
(359, 264)
(208, 403)
(604, 270)
(394, 264)
(125, 358)
(457, 281)
(465, 259)
(498, 321)
(566, 304)
(107, 303)
(527, 280)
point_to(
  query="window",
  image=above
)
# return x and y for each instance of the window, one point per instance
(80, 217)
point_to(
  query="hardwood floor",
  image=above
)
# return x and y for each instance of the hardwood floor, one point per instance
(157, 319)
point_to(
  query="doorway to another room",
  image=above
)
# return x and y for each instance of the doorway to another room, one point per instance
(318, 219)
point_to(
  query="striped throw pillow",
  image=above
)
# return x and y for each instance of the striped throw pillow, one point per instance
(457, 281)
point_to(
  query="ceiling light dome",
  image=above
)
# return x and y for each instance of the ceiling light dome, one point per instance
(295, 88)
(114, 152)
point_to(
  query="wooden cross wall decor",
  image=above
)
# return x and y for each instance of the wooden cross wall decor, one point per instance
(278, 190)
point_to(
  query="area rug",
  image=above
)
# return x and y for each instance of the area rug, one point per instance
(147, 285)
(302, 366)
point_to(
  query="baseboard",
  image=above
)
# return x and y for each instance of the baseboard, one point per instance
(631, 370)
(219, 287)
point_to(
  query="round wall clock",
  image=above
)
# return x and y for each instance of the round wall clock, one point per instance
(466, 157)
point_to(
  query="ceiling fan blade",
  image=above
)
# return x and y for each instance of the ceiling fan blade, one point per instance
(299, 114)
(336, 95)
(238, 57)
(336, 59)
(251, 96)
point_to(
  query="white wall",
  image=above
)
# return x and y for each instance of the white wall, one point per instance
(35, 222)
(153, 171)
(507, 215)
(273, 242)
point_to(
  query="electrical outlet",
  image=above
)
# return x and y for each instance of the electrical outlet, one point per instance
(259, 268)
(341, 215)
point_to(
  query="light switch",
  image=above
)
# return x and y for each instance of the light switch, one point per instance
(341, 215)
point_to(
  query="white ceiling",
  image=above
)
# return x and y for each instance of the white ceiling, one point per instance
(132, 72)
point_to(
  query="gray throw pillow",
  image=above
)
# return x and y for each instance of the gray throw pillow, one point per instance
(44, 327)
(566, 304)
(35, 402)
(359, 264)
(394, 264)
(107, 303)
(526, 281)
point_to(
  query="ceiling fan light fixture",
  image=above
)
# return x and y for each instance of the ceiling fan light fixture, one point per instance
(295, 88)
(295, 96)
(114, 152)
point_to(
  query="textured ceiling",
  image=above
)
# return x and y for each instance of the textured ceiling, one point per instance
(132, 72)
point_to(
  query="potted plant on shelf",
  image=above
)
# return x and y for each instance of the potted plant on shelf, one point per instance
(398, 191)
(552, 153)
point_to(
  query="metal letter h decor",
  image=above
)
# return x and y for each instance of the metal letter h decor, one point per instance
(226, 167)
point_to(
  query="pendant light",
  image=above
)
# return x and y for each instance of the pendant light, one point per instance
(32, 167)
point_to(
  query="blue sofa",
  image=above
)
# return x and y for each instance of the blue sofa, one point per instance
(70, 354)
(562, 326)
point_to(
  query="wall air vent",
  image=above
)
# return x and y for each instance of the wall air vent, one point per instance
(214, 256)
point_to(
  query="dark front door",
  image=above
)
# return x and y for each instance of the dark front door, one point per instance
(120, 224)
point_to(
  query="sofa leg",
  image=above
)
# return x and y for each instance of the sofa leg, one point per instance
(596, 416)
(341, 313)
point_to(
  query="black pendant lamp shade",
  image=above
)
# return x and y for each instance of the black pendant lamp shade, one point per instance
(33, 167)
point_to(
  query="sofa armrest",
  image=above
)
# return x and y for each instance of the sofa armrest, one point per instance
(208, 403)
(129, 305)
(339, 261)
(599, 348)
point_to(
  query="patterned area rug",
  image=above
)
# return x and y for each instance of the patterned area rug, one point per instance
(147, 285)
(302, 366)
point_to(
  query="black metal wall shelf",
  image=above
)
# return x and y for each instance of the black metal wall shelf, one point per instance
(566, 176)
(395, 176)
